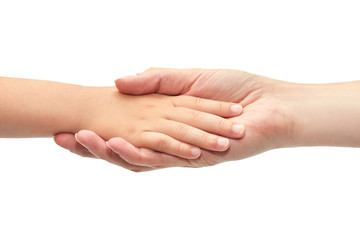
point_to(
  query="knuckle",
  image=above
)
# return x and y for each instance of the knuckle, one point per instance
(162, 143)
(181, 130)
(198, 101)
(182, 149)
(207, 140)
(221, 107)
(194, 115)
(222, 124)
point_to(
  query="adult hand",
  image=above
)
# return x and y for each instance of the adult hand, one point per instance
(266, 115)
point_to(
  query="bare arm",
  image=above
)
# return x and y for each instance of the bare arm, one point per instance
(33, 108)
(323, 114)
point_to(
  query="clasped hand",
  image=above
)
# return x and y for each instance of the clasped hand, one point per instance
(265, 123)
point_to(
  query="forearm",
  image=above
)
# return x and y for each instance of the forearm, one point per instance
(33, 108)
(325, 114)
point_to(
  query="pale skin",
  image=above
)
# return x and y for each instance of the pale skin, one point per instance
(175, 125)
(276, 114)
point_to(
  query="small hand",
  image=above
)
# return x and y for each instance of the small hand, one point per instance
(177, 125)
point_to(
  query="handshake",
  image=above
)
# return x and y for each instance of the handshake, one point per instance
(186, 118)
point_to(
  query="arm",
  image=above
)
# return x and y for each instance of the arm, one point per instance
(32, 108)
(324, 114)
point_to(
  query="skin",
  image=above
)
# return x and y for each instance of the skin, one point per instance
(176, 125)
(276, 114)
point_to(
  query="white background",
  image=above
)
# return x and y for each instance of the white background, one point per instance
(304, 193)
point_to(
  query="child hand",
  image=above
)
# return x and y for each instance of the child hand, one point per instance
(177, 125)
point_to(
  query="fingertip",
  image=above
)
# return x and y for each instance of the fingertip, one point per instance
(115, 144)
(63, 139)
(129, 77)
(238, 130)
(123, 148)
(223, 144)
(120, 84)
(195, 152)
(132, 85)
(76, 137)
(57, 138)
(125, 79)
(126, 151)
(80, 140)
(92, 142)
(84, 135)
(69, 142)
(236, 109)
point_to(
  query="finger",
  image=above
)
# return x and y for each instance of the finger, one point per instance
(163, 143)
(191, 135)
(207, 122)
(219, 108)
(144, 156)
(159, 80)
(68, 141)
(97, 146)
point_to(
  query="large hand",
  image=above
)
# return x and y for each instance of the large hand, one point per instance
(265, 114)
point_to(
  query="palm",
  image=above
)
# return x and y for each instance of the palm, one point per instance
(262, 115)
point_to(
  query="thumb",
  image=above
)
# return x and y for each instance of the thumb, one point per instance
(158, 80)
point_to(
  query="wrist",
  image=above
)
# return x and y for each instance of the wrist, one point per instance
(92, 114)
(83, 100)
(76, 107)
(88, 101)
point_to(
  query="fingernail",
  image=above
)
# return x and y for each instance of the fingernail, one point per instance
(237, 129)
(236, 108)
(107, 144)
(222, 142)
(79, 142)
(195, 151)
